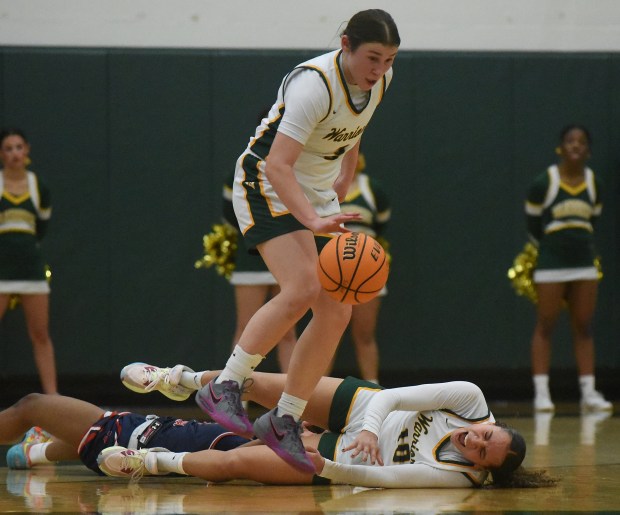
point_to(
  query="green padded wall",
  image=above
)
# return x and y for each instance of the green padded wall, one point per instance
(135, 145)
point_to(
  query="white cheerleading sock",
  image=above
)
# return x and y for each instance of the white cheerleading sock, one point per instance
(239, 366)
(541, 385)
(586, 383)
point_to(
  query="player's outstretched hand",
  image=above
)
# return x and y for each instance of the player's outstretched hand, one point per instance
(366, 444)
(333, 223)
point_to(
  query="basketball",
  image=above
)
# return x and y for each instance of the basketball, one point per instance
(353, 268)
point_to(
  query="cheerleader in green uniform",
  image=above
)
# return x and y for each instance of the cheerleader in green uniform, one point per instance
(24, 213)
(562, 207)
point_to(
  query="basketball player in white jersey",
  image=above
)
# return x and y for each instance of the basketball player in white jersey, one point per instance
(300, 161)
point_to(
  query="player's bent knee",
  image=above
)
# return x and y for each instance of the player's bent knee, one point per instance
(29, 402)
(301, 296)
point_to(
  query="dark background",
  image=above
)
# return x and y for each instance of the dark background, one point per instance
(135, 146)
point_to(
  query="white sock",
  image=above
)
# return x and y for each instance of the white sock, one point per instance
(541, 385)
(586, 383)
(239, 366)
(36, 453)
(289, 405)
(191, 380)
(171, 462)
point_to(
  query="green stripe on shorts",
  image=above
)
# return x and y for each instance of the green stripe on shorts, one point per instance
(341, 403)
(343, 397)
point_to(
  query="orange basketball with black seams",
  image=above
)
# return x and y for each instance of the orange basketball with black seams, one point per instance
(353, 268)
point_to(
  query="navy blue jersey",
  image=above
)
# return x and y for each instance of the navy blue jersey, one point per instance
(174, 434)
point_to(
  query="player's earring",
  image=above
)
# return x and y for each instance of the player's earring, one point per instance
(558, 151)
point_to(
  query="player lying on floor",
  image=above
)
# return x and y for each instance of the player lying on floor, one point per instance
(433, 435)
(82, 430)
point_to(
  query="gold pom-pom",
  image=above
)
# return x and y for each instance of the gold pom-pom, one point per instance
(521, 274)
(522, 271)
(220, 249)
(599, 267)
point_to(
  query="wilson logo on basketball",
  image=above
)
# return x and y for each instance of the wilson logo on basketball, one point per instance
(350, 246)
(353, 268)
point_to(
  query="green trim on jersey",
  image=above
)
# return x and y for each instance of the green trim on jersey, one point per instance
(262, 144)
(323, 78)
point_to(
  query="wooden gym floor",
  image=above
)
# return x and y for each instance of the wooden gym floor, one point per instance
(583, 451)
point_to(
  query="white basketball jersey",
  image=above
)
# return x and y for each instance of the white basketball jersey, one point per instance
(419, 437)
(316, 107)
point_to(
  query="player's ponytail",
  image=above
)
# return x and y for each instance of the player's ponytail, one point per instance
(510, 474)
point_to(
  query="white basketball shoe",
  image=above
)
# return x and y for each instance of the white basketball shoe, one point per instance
(594, 401)
(117, 461)
(143, 378)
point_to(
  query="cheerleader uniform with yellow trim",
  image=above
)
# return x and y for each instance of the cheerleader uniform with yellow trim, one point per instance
(23, 222)
(316, 107)
(370, 201)
(560, 221)
(414, 425)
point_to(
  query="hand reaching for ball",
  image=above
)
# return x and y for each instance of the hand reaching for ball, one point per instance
(334, 223)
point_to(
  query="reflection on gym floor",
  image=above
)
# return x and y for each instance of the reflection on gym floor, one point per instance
(582, 450)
